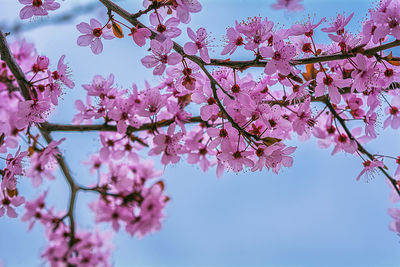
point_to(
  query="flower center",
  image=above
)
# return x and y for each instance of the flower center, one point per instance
(328, 80)
(393, 110)
(37, 3)
(223, 133)
(239, 41)
(235, 88)
(161, 28)
(342, 138)
(307, 48)
(277, 56)
(237, 155)
(259, 152)
(211, 101)
(97, 32)
(388, 72)
(367, 163)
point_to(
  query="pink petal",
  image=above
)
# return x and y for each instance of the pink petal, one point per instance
(204, 55)
(26, 12)
(84, 40)
(190, 48)
(174, 59)
(94, 23)
(96, 46)
(83, 27)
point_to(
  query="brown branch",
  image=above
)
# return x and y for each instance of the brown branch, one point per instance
(9, 59)
(131, 19)
(52, 127)
(12, 64)
(304, 61)
(360, 147)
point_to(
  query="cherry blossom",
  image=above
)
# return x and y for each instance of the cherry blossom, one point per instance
(91, 35)
(161, 56)
(37, 8)
(290, 5)
(199, 44)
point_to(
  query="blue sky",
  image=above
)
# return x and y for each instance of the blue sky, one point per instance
(314, 213)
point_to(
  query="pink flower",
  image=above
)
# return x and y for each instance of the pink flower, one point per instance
(290, 5)
(161, 56)
(31, 111)
(168, 144)
(333, 83)
(339, 24)
(140, 35)
(35, 211)
(303, 118)
(343, 142)
(363, 75)
(369, 167)
(14, 163)
(61, 73)
(36, 8)
(307, 28)
(257, 31)
(168, 29)
(7, 204)
(370, 120)
(185, 7)
(210, 110)
(53, 90)
(234, 40)
(394, 114)
(397, 172)
(388, 21)
(280, 56)
(42, 63)
(91, 35)
(199, 43)
(236, 159)
(149, 218)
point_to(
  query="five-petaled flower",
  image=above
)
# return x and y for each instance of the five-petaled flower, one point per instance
(91, 35)
(37, 8)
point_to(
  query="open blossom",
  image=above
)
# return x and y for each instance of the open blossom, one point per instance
(167, 29)
(280, 56)
(185, 7)
(41, 64)
(388, 20)
(256, 30)
(333, 84)
(168, 144)
(8, 204)
(307, 28)
(140, 35)
(290, 5)
(62, 73)
(37, 8)
(236, 159)
(339, 24)
(31, 111)
(161, 56)
(369, 166)
(234, 40)
(91, 35)
(199, 43)
(394, 114)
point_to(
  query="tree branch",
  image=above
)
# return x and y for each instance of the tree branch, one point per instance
(12, 64)
(7, 56)
(360, 147)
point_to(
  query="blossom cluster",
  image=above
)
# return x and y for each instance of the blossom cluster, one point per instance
(227, 118)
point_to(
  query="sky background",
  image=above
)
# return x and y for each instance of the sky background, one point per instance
(314, 213)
